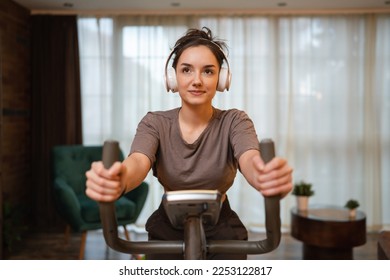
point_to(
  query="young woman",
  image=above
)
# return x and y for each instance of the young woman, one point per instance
(196, 146)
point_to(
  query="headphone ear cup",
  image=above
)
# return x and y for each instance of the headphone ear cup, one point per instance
(170, 80)
(224, 79)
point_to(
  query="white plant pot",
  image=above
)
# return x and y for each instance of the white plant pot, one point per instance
(302, 202)
(352, 213)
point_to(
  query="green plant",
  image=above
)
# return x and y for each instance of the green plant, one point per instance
(303, 189)
(352, 204)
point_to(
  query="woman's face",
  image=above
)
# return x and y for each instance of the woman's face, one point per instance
(197, 73)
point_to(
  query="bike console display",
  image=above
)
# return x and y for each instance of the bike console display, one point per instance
(179, 205)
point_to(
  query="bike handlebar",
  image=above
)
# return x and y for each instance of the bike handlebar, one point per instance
(272, 221)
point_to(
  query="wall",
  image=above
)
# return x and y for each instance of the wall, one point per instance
(15, 111)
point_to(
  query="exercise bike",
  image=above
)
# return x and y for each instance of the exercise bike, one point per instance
(191, 210)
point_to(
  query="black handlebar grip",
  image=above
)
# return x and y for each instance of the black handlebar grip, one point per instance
(267, 150)
(110, 153)
(271, 204)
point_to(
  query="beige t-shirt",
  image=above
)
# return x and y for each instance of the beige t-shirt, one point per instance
(211, 162)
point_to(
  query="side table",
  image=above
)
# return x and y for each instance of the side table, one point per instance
(327, 232)
(384, 245)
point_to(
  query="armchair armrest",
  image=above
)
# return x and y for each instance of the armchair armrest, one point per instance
(67, 203)
(138, 196)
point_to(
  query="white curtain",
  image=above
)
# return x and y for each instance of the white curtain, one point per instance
(319, 86)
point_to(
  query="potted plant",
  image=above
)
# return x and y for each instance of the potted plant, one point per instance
(352, 204)
(302, 190)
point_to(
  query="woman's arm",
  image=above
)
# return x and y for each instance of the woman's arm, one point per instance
(109, 184)
(273, 178)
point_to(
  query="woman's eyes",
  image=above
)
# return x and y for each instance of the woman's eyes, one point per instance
(188, 70)
(209, 71)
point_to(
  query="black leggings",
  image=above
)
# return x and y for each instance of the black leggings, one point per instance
(229, 227)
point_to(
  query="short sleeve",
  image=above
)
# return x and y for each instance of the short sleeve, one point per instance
(146, 139)
(243, 135)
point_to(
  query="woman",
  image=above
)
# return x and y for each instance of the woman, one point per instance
(195, 146)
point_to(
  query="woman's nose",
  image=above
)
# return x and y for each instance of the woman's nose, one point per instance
(197, 78)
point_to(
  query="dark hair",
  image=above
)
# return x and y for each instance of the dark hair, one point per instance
(197, 37)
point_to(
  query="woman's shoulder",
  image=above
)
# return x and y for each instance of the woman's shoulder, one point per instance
(161, 115)
(231, 114)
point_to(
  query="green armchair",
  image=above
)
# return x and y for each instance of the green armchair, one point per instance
(81, 214)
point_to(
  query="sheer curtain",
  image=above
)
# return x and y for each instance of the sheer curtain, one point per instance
(318, 85)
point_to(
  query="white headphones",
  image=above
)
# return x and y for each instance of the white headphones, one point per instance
(224, 79)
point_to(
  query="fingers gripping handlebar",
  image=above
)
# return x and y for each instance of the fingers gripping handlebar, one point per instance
(272, 221)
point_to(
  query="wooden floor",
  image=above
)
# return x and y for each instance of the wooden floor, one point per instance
(51, 246)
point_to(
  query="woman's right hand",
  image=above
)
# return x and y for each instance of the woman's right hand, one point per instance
(103, 184)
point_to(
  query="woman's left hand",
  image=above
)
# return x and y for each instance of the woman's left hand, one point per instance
(273, 178)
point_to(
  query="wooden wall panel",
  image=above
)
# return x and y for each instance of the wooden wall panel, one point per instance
(15, 110)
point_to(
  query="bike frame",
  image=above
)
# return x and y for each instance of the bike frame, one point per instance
(194, 246)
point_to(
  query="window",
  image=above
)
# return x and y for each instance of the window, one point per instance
(319, 86)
